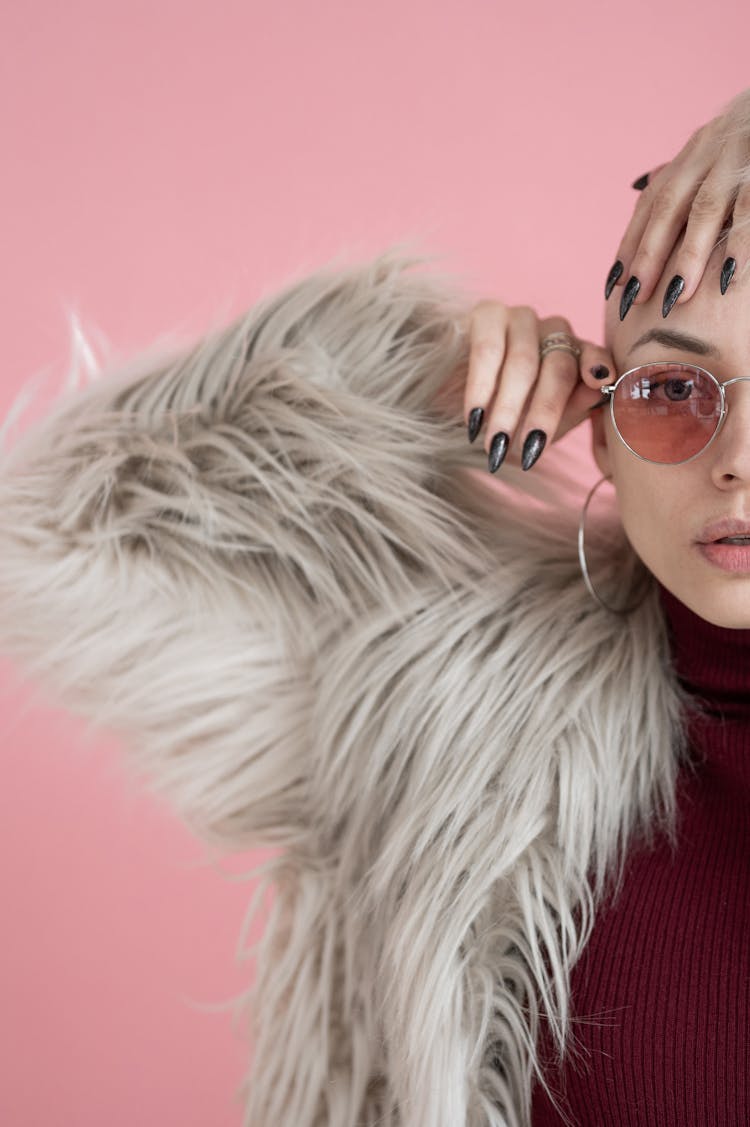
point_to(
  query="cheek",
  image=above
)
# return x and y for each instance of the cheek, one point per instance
(643, 505)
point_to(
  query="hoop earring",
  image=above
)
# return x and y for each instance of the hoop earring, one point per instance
(582, 558)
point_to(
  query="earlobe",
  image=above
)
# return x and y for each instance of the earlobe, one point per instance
(599, 447)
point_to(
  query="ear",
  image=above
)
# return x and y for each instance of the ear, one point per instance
(599, 439)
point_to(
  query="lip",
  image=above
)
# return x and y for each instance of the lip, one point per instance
(729, 557)
(729, 526)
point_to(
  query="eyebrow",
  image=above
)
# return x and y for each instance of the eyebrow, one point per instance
(671, 339)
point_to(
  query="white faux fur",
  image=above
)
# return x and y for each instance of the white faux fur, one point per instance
(265, 563)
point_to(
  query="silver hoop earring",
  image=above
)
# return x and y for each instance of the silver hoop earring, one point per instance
(582, 558)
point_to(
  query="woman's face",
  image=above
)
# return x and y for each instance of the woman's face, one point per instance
(665, 508)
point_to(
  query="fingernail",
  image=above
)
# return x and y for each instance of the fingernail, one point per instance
(674, 289)
(600, 372)
(532, 448)
(640, 183)
(612, 277)
(628, 296)
(498, 450)
(475, 422)
(727, 271)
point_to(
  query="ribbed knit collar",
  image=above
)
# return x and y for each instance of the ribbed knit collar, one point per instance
(711, 662)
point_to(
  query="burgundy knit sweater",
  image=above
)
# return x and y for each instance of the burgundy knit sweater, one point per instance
(661, 994)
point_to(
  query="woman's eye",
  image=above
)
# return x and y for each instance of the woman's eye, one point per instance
(677, 389)
(674, 388)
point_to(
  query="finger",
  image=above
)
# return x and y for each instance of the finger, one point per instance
(487, 334)
(518, 374)
(619, 272)
(737, 250)
(557, 378)
(598, 370)
(671, 202)
(671, 196)
(573, 400)
(585, 397)
(713, 202)
(597, 367)
(717, 203)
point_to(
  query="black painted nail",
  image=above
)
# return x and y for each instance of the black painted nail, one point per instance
(612, 277)
(673, 291)
(628, 296)
(475, 422)
(600, 372)
(498, 450)
(532, 448)
(727, 271)
(640, 183)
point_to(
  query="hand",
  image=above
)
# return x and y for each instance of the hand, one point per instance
(520, 395)
(706, 184)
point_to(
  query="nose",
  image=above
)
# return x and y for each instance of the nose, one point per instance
(731, 462)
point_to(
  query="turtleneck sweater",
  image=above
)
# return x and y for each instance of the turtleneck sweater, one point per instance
(660, 995)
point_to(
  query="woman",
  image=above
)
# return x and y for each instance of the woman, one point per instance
(661, 987)
(265, 564)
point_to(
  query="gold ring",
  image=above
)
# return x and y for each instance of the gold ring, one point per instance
(562, 341)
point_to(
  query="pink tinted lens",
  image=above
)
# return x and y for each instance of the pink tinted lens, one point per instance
(667, 412)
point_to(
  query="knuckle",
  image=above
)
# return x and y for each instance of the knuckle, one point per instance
(508, 403)
(664, 204)
(544, 410)
(485, 346)
(485, 306)
(742, 201)
(691, 255)
(706, 203)
(524, 352)
(652, 255)
(557, 325)
(486, 321)
(646, 262)
(697, 137)
(645, 199)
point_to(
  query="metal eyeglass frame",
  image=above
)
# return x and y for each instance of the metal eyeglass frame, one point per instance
(611, 388)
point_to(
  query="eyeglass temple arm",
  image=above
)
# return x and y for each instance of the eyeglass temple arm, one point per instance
(607, 393)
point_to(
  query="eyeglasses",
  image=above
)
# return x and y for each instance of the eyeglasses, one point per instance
(668, 413)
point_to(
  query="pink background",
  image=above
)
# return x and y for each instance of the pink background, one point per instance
(166, 164)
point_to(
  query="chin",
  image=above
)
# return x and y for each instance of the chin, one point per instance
(728, 606)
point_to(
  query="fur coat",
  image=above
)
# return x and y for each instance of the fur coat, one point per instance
(265, 562)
